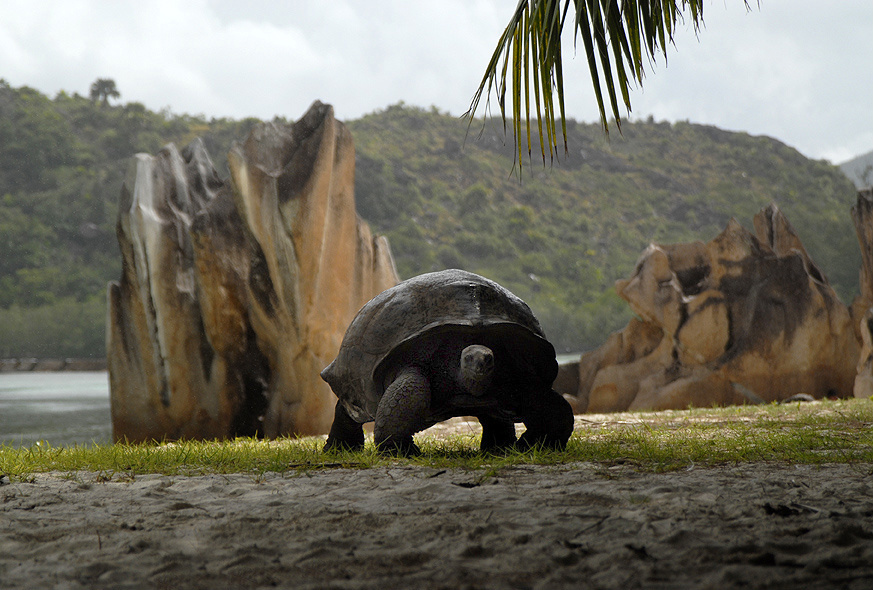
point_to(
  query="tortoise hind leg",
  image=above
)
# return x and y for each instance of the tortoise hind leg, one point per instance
(549, 423)
(496, 434)
(345, 433)
(402, 411)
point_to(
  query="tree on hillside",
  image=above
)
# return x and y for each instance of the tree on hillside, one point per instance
(619, 36)
(103, 89)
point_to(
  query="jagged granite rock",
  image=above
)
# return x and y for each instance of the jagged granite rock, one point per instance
(744, 318)
(234, 295)
(862, 306)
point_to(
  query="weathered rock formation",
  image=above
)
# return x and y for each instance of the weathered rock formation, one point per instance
(236, 294)
(742, 318)
(862, 306)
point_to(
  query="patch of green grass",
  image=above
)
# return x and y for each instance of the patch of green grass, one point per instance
(811, 433)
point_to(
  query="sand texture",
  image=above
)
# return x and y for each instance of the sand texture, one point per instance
(571, 526)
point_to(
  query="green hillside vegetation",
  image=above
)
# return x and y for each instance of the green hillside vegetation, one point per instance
(62, 162)
(559, 237)
(563, 235)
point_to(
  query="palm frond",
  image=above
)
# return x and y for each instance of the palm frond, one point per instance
(618, 37)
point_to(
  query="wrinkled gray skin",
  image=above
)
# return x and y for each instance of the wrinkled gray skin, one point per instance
(440, 345)
(477, 370)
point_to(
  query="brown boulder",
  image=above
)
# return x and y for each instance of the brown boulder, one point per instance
(745, 317)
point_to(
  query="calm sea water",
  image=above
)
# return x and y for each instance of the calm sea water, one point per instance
(61, 409)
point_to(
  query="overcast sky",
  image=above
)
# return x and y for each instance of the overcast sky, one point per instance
(797, 70)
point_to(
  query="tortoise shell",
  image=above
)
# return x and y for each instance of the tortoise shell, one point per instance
(405, 321)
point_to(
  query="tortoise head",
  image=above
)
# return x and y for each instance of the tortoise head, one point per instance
(477, 369)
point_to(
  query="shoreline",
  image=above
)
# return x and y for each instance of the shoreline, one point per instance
(51, 365)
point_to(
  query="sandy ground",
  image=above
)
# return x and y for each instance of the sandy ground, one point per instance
(572, 526)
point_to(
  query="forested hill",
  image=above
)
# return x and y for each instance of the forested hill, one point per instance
(62, 162)
(563, 235)
(558, 237)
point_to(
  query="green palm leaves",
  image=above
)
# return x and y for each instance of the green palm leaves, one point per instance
(618, 37)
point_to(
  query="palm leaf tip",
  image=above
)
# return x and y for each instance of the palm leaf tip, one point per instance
(618, 37)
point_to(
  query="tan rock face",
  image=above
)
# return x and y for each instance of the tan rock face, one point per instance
(234, 295)
(862, 306)
(742, 318)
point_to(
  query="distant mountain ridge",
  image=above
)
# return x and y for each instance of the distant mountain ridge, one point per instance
(558, 237)
(860, 170)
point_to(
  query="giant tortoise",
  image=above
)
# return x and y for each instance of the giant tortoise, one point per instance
(444, 344)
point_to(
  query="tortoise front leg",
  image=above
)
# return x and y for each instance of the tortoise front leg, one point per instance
(496, 434)
(402, 411)
(345, 433)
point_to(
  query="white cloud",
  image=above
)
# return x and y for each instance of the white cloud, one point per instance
(781, 70)
(792, 69)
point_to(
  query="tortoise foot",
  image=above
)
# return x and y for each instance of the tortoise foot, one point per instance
(549, 425)
(397, 446)
(345, 433)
